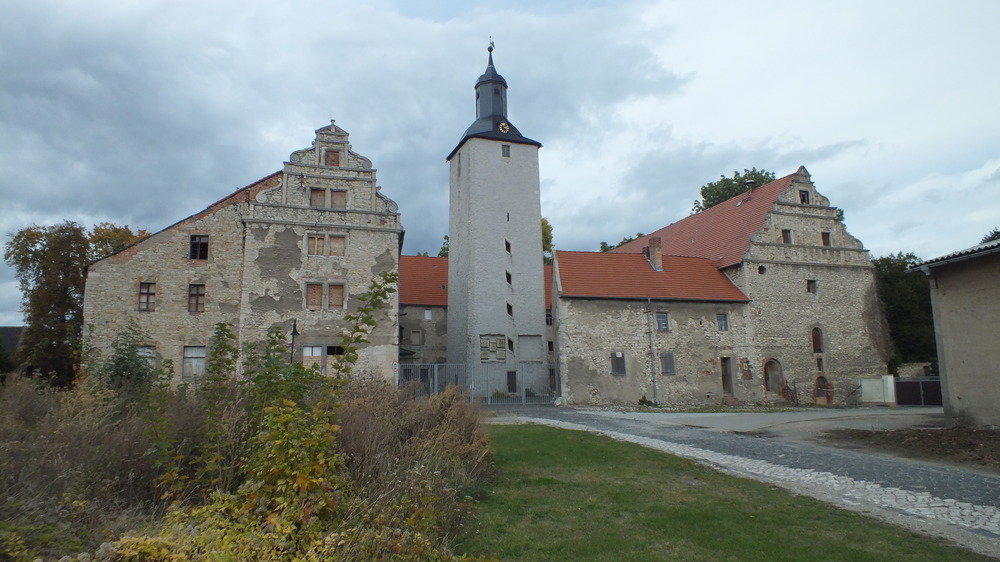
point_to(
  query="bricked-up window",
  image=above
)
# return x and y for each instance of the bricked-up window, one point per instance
(817, 340)
(193, 367)
(722, 320)
(618, 364)
(811, 286)
(196, 297)
(316, 244)
(804, 196)
(786, 236)
(505, 150)
(147, 297)
(336, 296)
(338, 199)
(338, 245)
(662, 322)
(199, 247)
(825, 236)
(317, 198)
(667, 364)
(314, 296)
(331, 158)
(416, 337)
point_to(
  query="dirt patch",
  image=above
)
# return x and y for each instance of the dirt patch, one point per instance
(960, 445)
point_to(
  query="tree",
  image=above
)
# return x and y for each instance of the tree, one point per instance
(605, 247)
(907, 301)
(726, 188)
(107, 238)
(443, 252)
(991, 236)
(546, 242)
(49, 264)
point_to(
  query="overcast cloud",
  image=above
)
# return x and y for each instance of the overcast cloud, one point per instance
(142, 112)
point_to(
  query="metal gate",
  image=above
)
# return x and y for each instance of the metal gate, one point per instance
(489, 383)
(923, 391)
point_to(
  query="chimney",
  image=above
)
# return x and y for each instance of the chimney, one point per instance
(655, 253)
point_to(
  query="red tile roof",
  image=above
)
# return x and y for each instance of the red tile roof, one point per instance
(424, 281)
(722, 232)
(630, 276)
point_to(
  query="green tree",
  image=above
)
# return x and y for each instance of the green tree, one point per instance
(605, 247)
(907, 301)
(106, 239)
(726, 188)
(127, 370)
(49, 264)
(7, 363)
(991, 236)
(443, 252)
(546, 241)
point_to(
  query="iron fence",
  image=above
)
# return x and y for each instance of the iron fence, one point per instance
(490, 383)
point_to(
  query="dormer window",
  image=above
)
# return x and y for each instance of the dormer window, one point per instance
(804, 196)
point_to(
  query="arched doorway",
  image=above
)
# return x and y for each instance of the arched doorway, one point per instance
(773, 380)
(822, 391)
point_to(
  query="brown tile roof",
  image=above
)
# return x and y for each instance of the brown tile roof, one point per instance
(424, 281)
(630, 276)
(722, 232)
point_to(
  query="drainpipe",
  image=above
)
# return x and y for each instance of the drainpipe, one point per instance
(652, 348)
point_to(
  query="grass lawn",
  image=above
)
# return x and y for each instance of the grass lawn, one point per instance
(573, 495)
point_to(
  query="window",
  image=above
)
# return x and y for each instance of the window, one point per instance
(317, 198)
(338, 245)
(505, 150)
(811, 286)
(552, 346)
(817, 340)
(722, 319)
(510, 279)
(319, 355)
(786, 236)
(761, 270)
(199, 247)
(416, 337)
(316, 244)
(147, 297)
(510, 310)
(825, 237)
(336, 296)
(662, 322)
(331, 158)
(194, 363)
(506, 245)
(428, 314)
(314, 296)
(196, 298)
(618, 364)
(510, 345)
(819, 364)
(548, 317)
(148, 352)
(338, 199)
(803, 196)
(667, 364)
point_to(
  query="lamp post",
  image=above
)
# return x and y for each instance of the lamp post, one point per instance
(295, 332)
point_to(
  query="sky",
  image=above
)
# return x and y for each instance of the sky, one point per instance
(143, 112)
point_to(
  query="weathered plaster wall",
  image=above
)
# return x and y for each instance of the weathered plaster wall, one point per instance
(431, 344)
(966, 301)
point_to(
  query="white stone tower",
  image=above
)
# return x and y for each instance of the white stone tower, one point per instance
(496, 300)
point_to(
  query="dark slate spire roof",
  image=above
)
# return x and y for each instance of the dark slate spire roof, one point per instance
(491, 111)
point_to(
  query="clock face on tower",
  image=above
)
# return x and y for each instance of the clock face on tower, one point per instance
(504, 127)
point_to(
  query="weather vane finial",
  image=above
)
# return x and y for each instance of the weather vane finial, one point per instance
(490, 49)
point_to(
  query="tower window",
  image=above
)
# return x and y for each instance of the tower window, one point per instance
(510, 279)
(505, 150)
(817, 340)
(510, 310)
(811, 286)
(506, 245)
